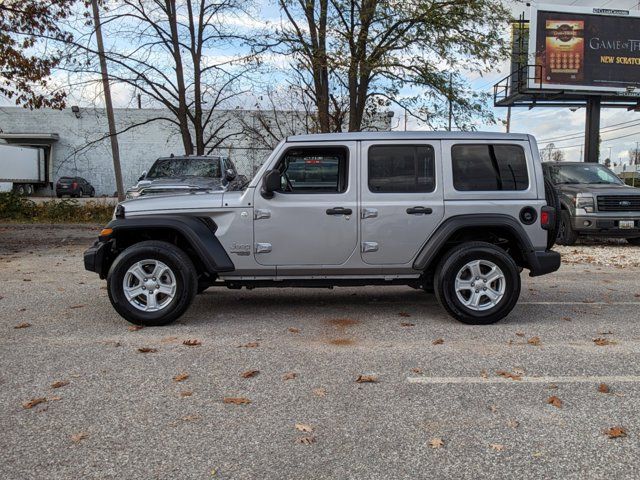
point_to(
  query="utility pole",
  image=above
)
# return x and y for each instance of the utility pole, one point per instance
(115, 150)
(508, 119)
(450, 100)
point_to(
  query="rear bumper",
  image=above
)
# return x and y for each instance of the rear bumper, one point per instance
(95, 257)
(543, 262)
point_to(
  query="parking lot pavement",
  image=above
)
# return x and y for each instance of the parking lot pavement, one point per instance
(122, 415)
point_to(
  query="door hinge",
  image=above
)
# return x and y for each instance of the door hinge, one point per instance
(258, 214)
(369, 213)
(263, 247)
(369, 247)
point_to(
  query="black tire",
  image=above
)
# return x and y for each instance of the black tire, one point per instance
(566, 234)
(552, 199)
(20, 190)
(180, 265)
(634, 241)
(93, 193)
(453, 263)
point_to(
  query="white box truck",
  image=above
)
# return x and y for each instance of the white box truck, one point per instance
(22, 169)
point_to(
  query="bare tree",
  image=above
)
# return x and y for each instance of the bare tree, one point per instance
(374, 49)
(557, 156)
(634, 156)
(172, 53)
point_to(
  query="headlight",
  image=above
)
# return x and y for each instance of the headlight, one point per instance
(586, 202)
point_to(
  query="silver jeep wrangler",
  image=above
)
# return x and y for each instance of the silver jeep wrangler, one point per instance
(461, 214)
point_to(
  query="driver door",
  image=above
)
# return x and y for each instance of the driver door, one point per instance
(312, 218)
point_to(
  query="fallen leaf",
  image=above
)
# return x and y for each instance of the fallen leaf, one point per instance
(60, 383)
(513, 423)
(181, 377)
(555, 401)
(249, 373)
(289, 376)
(493, 409)
(603, 388)
(302, 427)
(404, 314)
(293, 330)
(320, 392)
(190, 418)
(535, 341)
(26, 279)
(436, 443)
(33, 402)
(366, 379)
(147, 350)
(497, 447)
(78, 437)
(237, 400)
(505, 374)
(616, 432)
(308, 440)
(186, 393)
(249, 345)
(438, 341)
(135, 328)
(192, 343)
(552, 386)
(601, 342)
(23, 325)
(406, 324)
(417, 370)
(76, 306)
(484, 374)
(566, 319)
(54, 399)
(520, 334)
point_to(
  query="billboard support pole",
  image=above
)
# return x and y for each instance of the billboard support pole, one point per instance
(592, 130)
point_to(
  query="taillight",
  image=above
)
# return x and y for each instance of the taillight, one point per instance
(544, 219)
(547, 217)
(74, 185)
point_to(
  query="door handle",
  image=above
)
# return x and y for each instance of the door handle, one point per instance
(339, 211)
(419, 210)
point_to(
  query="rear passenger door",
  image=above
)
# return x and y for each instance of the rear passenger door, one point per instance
(401, 199)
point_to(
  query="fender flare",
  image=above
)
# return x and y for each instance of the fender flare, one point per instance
(199, 232)
(449, 227)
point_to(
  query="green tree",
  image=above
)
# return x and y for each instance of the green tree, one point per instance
(26, 62)
(377, 53)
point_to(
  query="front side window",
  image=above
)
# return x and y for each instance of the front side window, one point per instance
(401, 169)
(489, 167)
(314, 170)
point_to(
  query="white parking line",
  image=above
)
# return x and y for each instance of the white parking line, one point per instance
(550, 379)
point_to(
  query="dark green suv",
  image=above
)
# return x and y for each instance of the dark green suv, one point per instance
(594, 202)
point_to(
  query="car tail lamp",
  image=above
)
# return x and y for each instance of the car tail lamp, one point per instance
(74, 185)
(547, 217)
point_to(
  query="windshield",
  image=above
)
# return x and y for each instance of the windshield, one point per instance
(185, 167)
(589, 174)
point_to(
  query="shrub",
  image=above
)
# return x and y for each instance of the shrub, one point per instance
(20, 209)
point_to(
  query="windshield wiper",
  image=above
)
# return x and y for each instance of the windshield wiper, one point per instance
(568, 183)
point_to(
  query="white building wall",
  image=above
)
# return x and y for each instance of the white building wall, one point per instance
(78, 153)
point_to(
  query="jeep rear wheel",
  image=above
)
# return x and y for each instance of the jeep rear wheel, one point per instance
(152, 283)
(477, 283)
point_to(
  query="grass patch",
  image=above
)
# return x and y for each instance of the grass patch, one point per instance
(20, 209)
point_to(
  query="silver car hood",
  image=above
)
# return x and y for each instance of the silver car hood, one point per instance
(167, 204)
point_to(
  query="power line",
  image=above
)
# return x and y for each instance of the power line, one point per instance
(603, 141)
(571, 136)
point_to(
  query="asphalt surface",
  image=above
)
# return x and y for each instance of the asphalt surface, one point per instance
(122, 415)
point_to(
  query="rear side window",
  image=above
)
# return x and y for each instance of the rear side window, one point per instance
(487, 167)
(401, 169)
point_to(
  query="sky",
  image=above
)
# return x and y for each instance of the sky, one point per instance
(546, 124)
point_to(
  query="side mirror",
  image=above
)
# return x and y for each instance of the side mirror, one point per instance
(229, 175)
(270, 183)
(143, 176)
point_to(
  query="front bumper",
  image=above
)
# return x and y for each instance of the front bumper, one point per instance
(95, 257)
(542, 262)
(605, 225)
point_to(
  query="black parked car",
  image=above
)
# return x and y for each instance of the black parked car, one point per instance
(74, 187)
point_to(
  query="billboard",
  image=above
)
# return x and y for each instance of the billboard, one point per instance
(585, 49)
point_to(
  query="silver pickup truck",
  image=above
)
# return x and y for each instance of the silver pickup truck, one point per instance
(461, 214)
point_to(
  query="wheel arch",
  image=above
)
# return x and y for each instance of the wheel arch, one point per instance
(194, 235)
(500, 230)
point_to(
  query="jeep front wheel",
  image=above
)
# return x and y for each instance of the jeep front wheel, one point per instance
(152, 283)
(477, 283)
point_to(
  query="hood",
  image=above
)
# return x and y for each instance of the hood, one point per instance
(167, 204)
(177, 184)
(598, 189)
